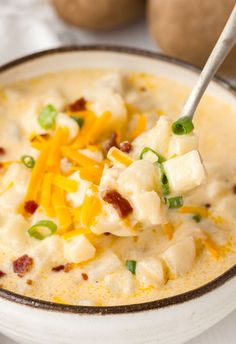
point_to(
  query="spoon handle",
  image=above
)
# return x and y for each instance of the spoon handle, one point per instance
(222, 48)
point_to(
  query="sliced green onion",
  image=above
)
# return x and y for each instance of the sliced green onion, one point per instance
(47, 117)
(79, 120)
(131, 266)
(174, 202)
(197, 217)
(35, 232)
(183, 126)
(164, 180)
(28, 161)
(148, 149)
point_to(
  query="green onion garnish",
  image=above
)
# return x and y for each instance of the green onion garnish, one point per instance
(183, 126)
(28, 161)
(131, 266)
(164, 180)
(148, 149)
(35, 232)
(79, 120)
(197, 217)
(47, 117)
(174, 202)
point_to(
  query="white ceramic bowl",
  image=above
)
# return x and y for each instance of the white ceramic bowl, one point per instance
(170, 321)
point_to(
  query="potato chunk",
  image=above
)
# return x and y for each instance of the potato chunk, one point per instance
(184, 172)
(79, 249)
(150, 272)
(147, 207)
(182, 144)
(180, 256)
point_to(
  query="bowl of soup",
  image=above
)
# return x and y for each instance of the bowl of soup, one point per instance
(117, 223)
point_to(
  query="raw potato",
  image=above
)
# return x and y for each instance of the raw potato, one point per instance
(188, 29)
(99, 14)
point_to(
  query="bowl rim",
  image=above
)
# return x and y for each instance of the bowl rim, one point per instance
(132, 308)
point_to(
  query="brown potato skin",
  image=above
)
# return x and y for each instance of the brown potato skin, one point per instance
(189, 29)
(99, 14)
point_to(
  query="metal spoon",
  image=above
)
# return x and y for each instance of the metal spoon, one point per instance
(222, 48)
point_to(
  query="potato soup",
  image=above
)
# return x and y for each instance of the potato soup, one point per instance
(104, 199)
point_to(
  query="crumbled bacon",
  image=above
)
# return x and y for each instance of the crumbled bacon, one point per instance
(22, 265)
(2, 274)
(29, 282)
(112, 142)
(1, 165)
(84, 276)
(234, 189)
(68, 267)
(125, 146)
(58, 268)
(78, 105)
(30, 207)
(118, 202)
(107, 233)
(2, 151)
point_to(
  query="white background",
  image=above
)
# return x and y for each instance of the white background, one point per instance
(28, 26)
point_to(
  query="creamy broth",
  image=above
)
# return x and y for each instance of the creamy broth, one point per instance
(101, 277)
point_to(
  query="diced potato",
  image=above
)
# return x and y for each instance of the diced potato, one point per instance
(17, 174)
(65, 121)
(120, 283)
(77, 198)
(159, 136)
(181, 144)
(79, 249)
(147, 207)
(138, 144)
(184, 172)
(114, 82)
(139, 176)
(179, 257)
(226, 208)
(11, 200)
(109, 177)
(105, 264)
(141, 100)
(110, 221)
(103, 100)
(150, 273)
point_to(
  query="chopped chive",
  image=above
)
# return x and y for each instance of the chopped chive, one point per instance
(131, 266)
(174, 202)
(34, 231)
(148, 149)
(28, 161)
(183, 126)
(79, 120)
(47, 117)
(164, 180)
(197, 217)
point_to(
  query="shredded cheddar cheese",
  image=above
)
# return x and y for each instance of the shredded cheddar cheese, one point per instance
(168, 229)
(75, 232)
(61, 209)
(139, 128)
(98, 127)
(64, 183)
(77, 157)
(194, 210)
(116, 155)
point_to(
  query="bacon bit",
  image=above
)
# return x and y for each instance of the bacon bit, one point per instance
(112, 142)
(2, 151)
(22, 265)
(84, 276)
(1, 165)
(2, 274)
(107, 233)
(125, 146)
(30, 207)
(234, 189)
(142, 89)
(118, 202)
(68, 267)
(78, 105)
(29, 282)
(58, 268)
(207, 205)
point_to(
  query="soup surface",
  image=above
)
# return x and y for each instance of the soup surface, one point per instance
(102, 202)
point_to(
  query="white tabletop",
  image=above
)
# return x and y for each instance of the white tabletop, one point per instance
(16, 17)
